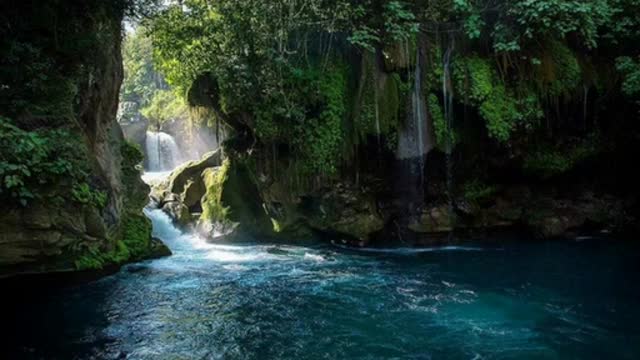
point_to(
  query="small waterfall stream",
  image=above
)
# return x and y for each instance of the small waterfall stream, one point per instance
(414, 140)
(162, 151)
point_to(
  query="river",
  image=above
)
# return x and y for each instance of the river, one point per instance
(517, 299)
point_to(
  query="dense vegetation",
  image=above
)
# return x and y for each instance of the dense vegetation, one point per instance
(316, 93)
(66, 173)
(536, 73)
(144, 90)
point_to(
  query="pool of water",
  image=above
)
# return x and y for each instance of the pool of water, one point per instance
(510, 300)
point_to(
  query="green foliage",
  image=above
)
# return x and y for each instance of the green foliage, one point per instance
(83, 194)
(132, 155)
(42, 165)
(630, 69)
(474, 78)
(445, 137)
(503, 107)
(370, 28)
(473, 21)
(378, 106)
(563, 73)
(517, 24)
(322, 136)
(399, 23)
(477, 191)
(141, 81)
(136, 235)
(548, 161)
(164, 106)
(500, 112)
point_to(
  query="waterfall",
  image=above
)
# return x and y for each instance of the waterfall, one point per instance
(162, 151)
(414, 139)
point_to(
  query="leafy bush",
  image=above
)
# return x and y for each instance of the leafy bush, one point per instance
(564, 73)
(551, 161)
(474, 78)
(445, 137)
(500, 112)
(83, 194)
(630, 69)
(477, 191)
(44, 164)
(164, 106)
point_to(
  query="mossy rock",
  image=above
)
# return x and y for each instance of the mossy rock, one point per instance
(192, 170)
(232, 201)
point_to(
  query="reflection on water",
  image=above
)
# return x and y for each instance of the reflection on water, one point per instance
(548, 300)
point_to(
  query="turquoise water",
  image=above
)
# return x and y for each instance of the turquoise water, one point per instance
(508, 300)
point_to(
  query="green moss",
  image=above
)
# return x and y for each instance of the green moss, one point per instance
(444, 135)
(135, 243)
(560, 71)
(214, 180)
(548, 161)
(477, 191)
(136, 234)
(473, 79)
(82, 193)
(500, 112)
(320, 140)
(379, 104)
(232, 196)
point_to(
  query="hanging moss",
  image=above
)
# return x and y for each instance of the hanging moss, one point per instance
(433, 72)
(320, 139)
(365, 117)
(547, 160)
(559, 73)
(379, 105)
(473, 79)
(476, 191)
(500, 112)
(444, 135)
(502, 107)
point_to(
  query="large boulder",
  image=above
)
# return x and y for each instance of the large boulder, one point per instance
(192, 171)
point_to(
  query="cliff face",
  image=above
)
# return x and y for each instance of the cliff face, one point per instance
(423, 165)
(83, 197)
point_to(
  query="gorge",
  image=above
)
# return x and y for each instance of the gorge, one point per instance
(320, 178)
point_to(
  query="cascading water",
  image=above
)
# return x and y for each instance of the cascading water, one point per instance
(162, 151)
(414, 140)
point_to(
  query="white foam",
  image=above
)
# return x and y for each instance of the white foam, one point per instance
(314, 257)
